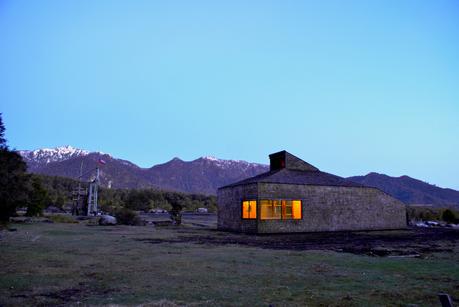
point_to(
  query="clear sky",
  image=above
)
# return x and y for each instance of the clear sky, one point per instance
(349, 86)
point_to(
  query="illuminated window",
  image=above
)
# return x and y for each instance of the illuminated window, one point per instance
(249, 209)
(271, 209)
(287, 210)
(280, 209)
(296, 209)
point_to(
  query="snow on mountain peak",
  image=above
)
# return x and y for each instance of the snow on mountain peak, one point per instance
(228, 163)
(45, 156)
(48, 155)
(210, 158)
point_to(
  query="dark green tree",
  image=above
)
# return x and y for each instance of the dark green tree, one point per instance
(60, 201)
(2, 134)
(175, 200)
(13, 183)
(448, 216)
(13, 179)
(38, 198)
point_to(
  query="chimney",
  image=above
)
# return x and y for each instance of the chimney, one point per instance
(277, 160)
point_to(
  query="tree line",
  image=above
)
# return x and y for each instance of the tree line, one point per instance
(17, 187)
(59, 191)
(35, 192)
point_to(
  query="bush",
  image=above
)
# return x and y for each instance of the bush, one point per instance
(448, 216)
(127, 217)
(423, 213)
(38, 198)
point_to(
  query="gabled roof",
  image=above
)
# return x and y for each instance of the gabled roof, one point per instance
(289, 176)
(284, 159)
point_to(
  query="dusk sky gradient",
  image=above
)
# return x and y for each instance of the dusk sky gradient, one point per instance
(349, 86)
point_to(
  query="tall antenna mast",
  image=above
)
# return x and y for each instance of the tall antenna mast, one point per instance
(79, 206)
(77, 199)
(92, 195)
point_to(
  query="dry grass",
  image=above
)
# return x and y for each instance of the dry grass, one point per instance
(49, 264)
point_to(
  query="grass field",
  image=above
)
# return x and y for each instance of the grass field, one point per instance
(63, 263)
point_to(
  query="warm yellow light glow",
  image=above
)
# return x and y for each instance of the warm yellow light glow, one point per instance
(270, 210)
(249, 209)
(296, 209)
(280, 209)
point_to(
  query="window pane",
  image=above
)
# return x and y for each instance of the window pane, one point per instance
(287, 209)
(253, 209)
(249, 209)
(265, 210)
(280, 209)
(270, 209)
(277, 209)
(296, 209)
(245, 209)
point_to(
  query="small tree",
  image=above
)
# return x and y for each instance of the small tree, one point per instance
(176, 211)
(13, 179)
(38, 198)
(60, 201)
(448, 216)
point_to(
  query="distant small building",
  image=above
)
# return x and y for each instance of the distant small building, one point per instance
(295, 196)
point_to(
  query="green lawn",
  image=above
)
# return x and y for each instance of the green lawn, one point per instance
(74, 263)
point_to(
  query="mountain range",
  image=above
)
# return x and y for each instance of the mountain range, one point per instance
(203, 175)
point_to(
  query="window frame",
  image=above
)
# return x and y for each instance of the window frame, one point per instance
(282, 216)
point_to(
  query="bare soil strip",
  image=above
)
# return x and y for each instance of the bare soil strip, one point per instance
(410, 242)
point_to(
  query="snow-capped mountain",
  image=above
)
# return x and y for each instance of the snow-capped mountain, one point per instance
(203, 175)
(230, 163)
(48, 155)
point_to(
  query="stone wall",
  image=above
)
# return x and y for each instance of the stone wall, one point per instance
(229, 201)
(328, 208)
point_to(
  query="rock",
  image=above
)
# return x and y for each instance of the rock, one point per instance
(421, 224)
(107, 220)
(20, 220)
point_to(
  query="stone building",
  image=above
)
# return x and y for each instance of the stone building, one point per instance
(295, 196)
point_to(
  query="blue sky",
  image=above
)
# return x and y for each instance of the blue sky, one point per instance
(349, 86)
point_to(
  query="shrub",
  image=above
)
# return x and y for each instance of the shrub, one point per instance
(38, 198)
(448, 216)
(126, 216)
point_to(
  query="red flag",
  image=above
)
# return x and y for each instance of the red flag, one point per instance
(102, 162)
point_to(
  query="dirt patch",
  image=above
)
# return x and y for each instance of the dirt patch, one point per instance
(63, 297)
(411, 242)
